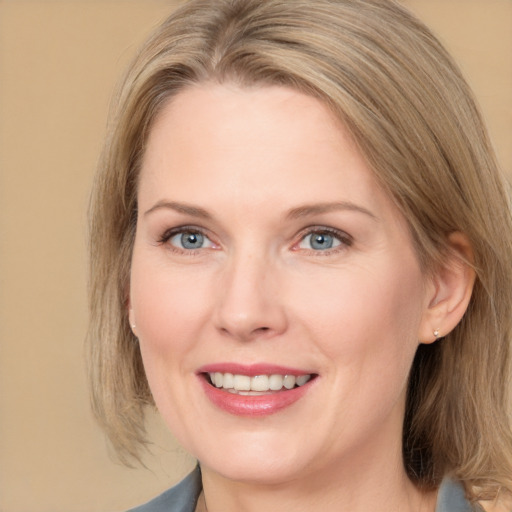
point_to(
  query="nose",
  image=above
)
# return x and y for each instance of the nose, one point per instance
(249, 304)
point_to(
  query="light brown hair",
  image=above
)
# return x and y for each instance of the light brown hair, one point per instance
(413, 116)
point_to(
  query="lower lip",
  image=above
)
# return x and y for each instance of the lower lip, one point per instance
(255, 405)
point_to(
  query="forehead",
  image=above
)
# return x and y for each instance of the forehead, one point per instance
(255, 152)
(229, 116)
(228, 132)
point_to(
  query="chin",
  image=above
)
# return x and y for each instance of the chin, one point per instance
(257, 460)
(249, 470)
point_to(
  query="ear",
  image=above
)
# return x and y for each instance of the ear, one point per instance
(449, 291)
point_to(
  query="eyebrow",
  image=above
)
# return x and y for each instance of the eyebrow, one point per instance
(319, 208)
(184, 208)
(295, 213)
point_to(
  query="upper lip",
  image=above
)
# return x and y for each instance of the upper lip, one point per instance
(252, 369)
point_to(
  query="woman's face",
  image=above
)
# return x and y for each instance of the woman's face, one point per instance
(267, 255)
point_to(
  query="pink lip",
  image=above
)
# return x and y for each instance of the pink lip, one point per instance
(255, 405)
(252, 369)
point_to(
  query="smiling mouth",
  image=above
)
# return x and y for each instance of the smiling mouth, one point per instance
(256, 385)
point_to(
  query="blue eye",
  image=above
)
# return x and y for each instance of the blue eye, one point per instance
(190, 240)
(321, 241)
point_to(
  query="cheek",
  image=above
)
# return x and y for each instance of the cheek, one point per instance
(367, 320)
(168, 310)
(169, 306)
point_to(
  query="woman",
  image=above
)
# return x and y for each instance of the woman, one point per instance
(300, 253)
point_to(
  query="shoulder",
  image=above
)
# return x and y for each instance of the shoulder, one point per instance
(180, 498)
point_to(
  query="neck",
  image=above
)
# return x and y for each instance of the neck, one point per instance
(358, 487)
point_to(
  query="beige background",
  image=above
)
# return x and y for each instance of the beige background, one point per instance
(59, 61)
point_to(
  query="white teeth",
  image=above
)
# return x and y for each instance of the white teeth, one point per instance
(257, 384)
(228, 381)
(289, 381)
(275, 382)
(301, 380)
(242, 382)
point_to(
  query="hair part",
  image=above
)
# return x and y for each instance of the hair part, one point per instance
(414, 118)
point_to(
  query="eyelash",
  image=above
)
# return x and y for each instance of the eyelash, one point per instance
(344, 239)
(170, 233)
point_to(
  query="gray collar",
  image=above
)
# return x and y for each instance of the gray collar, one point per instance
(183, 497)
(452, 498)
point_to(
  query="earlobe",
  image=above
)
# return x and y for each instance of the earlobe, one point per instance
(451, 291)
(131, 318)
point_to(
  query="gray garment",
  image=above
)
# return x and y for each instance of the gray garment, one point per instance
(183, 497)
(180, 498)
(451, 498)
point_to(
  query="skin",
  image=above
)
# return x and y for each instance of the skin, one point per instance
(251, 163)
